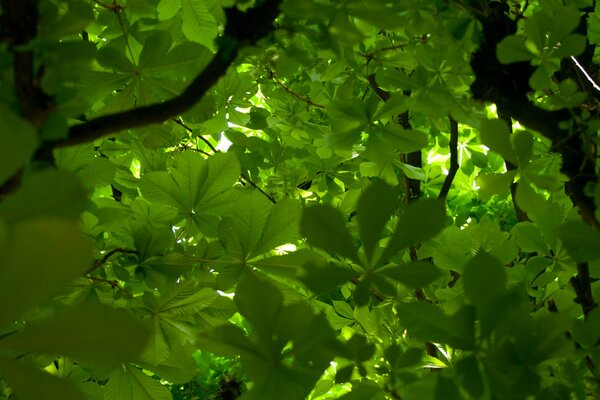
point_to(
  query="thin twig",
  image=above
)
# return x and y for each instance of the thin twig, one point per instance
(306, 99)
(187, 128)
(255, 186)
(98, 263)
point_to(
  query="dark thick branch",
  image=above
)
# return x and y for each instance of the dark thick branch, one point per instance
(507, 86)
(453, 160)
(581, 284)
(242, 29)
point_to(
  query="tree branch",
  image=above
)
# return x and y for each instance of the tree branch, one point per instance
(507, 86)
(242, 29)
(98, 263)
(187, 128)
(305, 99)
(255, 186)
(453, 160)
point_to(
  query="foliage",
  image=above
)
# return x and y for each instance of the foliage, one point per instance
(309, 199)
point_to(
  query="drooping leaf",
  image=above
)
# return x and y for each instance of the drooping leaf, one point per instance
(88, 332)
(324, 227)
(413, 275)
(42, 255)
(405, 140)
(496, 136)
(374, 209)
(421, 220)
(428, 322)
(322, 278)
(262, 310)
(47, 193)
(512, 49)
(484, 280)
(17, 142)
(581, 240)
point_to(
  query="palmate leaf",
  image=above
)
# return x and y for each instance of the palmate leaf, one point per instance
(171, 316)
(88, 332)
(194, 185)
(255, 226)
(307, 338)
(130, 383)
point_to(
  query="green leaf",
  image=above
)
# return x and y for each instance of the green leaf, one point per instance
(428, 322)
(167, 9)
(130, 383)
(240, 232)
(324, 227)
(496, 136)
(42, 255)
(323, 278)
(422, 220)
(580, 240)
(18, 141)
(396, 104)
(405, 140)
(484, 279)
(49, 193)
(185, 300)
(529, 238)
(512, 49)
(374, 209)
(282, 226)
(194, 185)
(494, 184)
(287, 265)
(228, 340)
(260, 302)
(412, 172)
(30, 383)
(199, 25)
(88, 332)
(414, 275)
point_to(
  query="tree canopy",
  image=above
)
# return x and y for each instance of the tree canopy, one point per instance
(315, 199)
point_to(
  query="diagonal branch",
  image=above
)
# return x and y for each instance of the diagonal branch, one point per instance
(305, 99)
(507, 86)
(243, 29)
